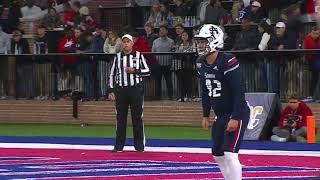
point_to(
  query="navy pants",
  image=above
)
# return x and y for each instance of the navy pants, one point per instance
(224, 141)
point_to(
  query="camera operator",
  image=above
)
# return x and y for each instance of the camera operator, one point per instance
(292, 125)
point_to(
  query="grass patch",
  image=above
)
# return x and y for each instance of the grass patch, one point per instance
(156, 132)
(103, 131)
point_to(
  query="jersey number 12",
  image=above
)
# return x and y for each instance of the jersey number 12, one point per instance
(213, 92)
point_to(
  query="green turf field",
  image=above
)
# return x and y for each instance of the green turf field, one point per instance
(156, 132)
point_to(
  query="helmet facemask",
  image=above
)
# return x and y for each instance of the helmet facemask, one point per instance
(203, 47)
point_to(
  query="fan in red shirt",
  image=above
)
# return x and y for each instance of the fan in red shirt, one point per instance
(311, 6)
(293, 121)
(86, 20)
(141, 44)
(68, 14)
(67, 45)
(311, 41)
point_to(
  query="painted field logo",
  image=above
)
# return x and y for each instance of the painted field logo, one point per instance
(117, 168)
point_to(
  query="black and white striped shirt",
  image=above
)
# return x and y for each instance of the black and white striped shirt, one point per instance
(118, 75)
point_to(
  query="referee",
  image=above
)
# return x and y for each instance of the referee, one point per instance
(126, 88)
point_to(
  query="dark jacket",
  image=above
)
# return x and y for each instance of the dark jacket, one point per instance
(293, 30)
(21, 47)
(246, 39)
(150, 38)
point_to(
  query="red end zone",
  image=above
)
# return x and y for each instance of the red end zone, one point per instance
(93, 164)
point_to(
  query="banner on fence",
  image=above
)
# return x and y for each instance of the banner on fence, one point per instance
(265, 109)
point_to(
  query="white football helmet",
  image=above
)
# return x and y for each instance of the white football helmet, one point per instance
(213, 34)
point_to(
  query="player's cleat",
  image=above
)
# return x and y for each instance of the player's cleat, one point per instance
(140, 150)
(116, 150)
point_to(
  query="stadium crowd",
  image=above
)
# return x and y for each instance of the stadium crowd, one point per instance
(79, 32)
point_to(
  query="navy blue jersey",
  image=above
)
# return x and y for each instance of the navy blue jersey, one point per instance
(221, 87)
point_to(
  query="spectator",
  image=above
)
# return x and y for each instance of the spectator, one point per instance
(112, 43)
(85, 44)
(98, 40)
(185, 66)
(4, 16)
(267, 40)
(52, 19)
(14, 16)
(86, 20)
(180, 8)
(43, 66)
(191, 7)
(52, 3)
(68, 71)
(104, 34)
(141, 45)
(155, 15)
(247, 38)
(164, 44)
(166, 16)
(179, 28)
(292, 124)
(150, 36)
(281, 36)
(30, 9)
(311, 41)
(215, 14)
(25, 79)
(186, 44)
(228, 42)
(311, 6)
(4, 49)
(294, 28)
(4, 42)
(77, 32)
(267, 66)
(254, 11)
(69, 14)
(202, 10)
(76, 6)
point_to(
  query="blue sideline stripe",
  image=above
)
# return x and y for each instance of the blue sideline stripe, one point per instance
(258, 145)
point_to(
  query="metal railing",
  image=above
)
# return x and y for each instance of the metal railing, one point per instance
(173, 76)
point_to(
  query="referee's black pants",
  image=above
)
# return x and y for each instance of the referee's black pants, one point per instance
(133, 97)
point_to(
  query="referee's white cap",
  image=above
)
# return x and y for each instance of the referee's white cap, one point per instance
(127, 36)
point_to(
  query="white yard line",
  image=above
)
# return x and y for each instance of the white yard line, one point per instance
(155, 149)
